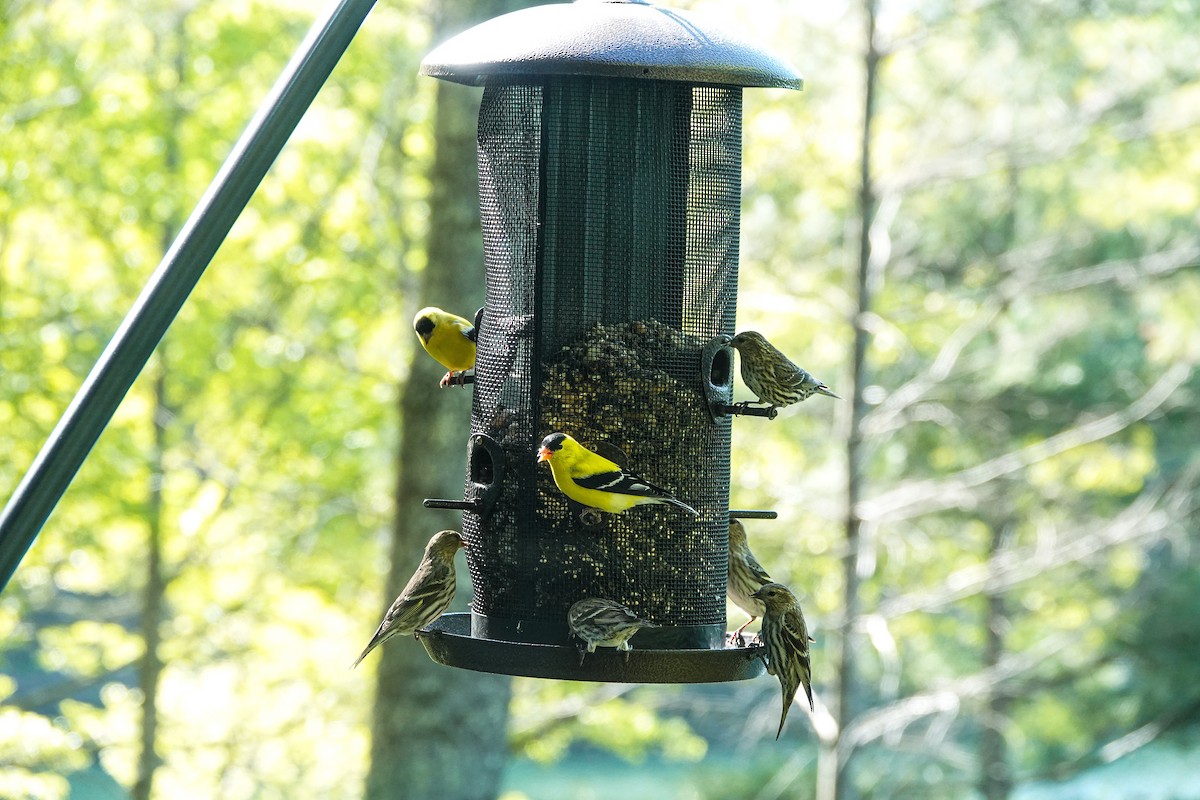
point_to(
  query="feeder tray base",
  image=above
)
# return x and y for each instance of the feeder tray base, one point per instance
(448, 641)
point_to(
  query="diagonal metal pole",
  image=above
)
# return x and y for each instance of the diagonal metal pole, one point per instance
(143, 327)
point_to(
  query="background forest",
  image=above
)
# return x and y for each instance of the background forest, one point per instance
(979, 223)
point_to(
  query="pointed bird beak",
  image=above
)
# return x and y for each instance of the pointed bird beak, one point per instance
(544, 454)
(825, 391)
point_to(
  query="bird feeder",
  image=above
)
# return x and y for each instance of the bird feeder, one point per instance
(609, 147)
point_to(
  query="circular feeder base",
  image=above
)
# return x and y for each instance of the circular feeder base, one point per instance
(448, 641)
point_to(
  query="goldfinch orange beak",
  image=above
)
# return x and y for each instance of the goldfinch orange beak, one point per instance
(544, 454)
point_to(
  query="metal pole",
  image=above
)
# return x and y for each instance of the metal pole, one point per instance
(125, 356)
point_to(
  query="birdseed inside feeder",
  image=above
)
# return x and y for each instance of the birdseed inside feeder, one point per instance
(609, 150)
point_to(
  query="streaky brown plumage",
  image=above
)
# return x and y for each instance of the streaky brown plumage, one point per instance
(771, 375)
(746, 576)
(426, 595)
(785, 635)
(600, 622)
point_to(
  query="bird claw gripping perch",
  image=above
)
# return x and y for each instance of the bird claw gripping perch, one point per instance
(451, 379)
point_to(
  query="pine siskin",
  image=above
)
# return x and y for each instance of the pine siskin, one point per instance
(448, 338)
(746, 576)
(771, 375)
(596, 482)
(786, 637)
(604, 623)
(427, 595)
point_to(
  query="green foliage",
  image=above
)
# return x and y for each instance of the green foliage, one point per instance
(278, 420)
(1036, 255)
(549, 718)
(34, 753)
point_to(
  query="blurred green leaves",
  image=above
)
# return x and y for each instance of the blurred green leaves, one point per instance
(1036, 272)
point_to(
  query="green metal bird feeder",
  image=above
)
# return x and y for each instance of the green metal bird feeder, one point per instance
(609, 148)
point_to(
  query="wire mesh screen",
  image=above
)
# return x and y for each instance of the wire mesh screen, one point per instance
(610, 216)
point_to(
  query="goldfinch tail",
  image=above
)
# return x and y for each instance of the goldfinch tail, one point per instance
(682, 505)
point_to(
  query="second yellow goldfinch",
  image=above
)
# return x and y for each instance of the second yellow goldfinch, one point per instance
(596, 482)
(448, 338)
(427, 595)
(771, 375)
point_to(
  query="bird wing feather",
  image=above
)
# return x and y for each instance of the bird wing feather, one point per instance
(756, 569)
(421, 600)
(788, 375)
(620, 482)
(611, 616)
(795, 631)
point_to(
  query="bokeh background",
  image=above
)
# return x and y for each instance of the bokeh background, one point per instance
(978, 223)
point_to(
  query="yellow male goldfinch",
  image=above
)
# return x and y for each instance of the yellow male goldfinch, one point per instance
(594, 481)
(448, 338)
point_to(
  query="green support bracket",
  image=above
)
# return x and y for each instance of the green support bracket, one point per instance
(164, 294)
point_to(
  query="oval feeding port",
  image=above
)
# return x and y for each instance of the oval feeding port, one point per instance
(716, 367)
(480, 462)
(721, 368)
(485, 471)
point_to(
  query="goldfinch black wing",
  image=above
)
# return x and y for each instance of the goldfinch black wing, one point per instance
(473, 333)
(621, 482)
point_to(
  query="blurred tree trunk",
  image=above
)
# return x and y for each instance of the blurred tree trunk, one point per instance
(154, 590)
(995, 778)
(153, 599)
(834, 778)
(438, 732)
(995, 775)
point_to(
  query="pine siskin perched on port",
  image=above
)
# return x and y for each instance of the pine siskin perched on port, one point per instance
(604, 623)
(771, 375)
(596, 482)
(427, 594)
(448, 338)
(746, 576)
(785, 634)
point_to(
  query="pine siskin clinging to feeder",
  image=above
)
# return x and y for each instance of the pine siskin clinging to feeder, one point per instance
(448, 338)
(746, 576)
(771, 375)
(785, 635)
(596, 482)
(427, 594)
(604, 623)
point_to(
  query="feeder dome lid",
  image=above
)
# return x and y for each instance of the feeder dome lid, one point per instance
(609, 38)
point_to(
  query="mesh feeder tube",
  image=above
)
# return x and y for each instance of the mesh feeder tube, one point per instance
(609, 148)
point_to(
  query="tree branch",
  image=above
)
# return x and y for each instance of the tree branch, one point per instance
(915, 498)
(1148, 517)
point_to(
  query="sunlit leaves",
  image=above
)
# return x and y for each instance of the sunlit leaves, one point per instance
(548, 718)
